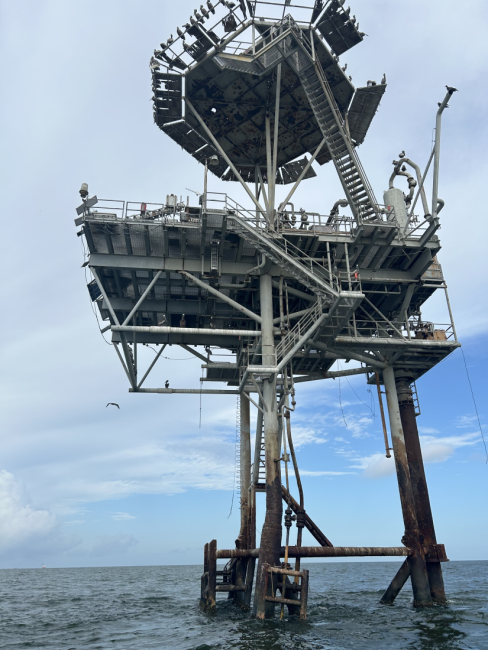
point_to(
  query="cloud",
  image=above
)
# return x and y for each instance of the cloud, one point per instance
(122, 516)
(306, 472)
(306, 436)
(25, 529)
(434, 450)
(428, 430)
(466, 421)
(113, 544)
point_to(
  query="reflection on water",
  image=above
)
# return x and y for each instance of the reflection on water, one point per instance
(157, 607)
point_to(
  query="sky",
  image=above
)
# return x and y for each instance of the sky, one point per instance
(151, 483)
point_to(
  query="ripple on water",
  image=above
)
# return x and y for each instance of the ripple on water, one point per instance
(157, 607)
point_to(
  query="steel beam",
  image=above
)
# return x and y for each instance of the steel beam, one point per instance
(237, 306)
(418, 569)
(419, 482)
(323, 551)
(164, 329)
(223, 154)
(271, 532)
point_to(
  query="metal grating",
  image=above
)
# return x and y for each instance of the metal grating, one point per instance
(338, 28)
(363, 108)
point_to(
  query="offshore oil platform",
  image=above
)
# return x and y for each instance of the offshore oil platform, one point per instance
(256, 93)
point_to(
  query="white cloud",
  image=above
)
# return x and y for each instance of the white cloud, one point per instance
(113, 544)
(428, 430)
(306, 436)
(122, 516)
(466, 421)
(434, 450)
(19, 522)
(306, 472)
(24, 528)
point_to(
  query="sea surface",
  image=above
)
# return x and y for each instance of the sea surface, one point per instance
(158, 607)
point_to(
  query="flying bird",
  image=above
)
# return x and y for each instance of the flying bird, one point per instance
(166, 384)
(113, 404)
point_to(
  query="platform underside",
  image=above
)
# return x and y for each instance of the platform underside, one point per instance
(128, 252)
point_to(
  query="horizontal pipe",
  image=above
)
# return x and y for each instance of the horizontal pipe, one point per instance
(322, 551)
(185, 391)
(164, 329)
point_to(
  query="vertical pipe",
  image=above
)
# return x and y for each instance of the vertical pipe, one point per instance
(272, 183)
(304, 595)
(411, 538)
(245, 483)
(437, 150)
(269, 166)
(419, 482)
(212, 574)
(346, 250)
(269, 551)
(382, 412)
(245, 472)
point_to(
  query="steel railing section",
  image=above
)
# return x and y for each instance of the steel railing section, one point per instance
(298, 331)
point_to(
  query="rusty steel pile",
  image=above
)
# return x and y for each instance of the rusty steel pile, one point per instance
(257, 100)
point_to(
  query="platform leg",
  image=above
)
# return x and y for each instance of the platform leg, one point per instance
(411, 538)
(270, 546)
(419, 482)
(212, 575)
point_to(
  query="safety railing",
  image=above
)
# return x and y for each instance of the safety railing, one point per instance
(118, 210)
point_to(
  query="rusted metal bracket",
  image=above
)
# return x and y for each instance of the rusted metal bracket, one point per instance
(436, 553)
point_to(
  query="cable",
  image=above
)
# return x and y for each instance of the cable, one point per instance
(368, 407)
(475, 407)
(168, 358)
(340, 402)
(201, 387)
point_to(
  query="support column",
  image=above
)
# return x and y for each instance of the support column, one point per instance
(411, 538)
(242, 541)
(270, 545)
(419, 481)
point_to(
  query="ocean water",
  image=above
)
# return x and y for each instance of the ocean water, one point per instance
(158, 607)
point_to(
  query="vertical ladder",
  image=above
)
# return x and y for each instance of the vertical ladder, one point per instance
(237, 477)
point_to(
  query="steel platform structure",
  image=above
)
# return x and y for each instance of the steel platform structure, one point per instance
(287, 292)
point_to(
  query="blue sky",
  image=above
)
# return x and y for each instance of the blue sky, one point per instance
(84, 485)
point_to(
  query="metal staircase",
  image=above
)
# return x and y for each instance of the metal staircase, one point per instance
(276, 248)
(287, 41)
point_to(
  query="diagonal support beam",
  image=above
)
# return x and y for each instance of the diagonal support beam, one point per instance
(142, 298)
(223, 154)
(222, 296)
(300, 178)
(194, 352)
(153, 363)
(130, 367)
